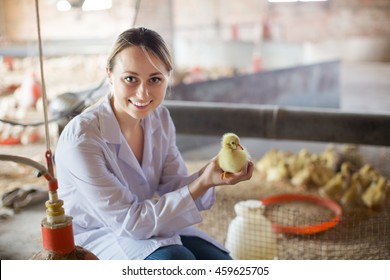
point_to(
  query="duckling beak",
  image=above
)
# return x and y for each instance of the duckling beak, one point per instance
(239, 146)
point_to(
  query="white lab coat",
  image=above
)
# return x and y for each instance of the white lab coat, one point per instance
(111, 197)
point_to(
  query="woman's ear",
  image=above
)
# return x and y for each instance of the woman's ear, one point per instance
(108, 74)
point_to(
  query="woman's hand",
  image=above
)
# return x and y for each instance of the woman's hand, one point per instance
(210, 175)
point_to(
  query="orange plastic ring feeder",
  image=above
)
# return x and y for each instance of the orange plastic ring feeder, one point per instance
(310, 229)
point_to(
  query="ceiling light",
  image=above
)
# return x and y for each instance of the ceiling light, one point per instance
(63, 6)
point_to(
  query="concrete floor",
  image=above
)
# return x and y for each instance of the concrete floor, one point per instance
(364, 88)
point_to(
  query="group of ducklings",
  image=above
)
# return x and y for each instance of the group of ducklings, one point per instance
(341, 176)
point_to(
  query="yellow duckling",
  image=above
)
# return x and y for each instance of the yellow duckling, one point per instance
(351, 195)
(375, 195)
(232, 157)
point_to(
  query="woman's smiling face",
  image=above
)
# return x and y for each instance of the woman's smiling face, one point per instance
(139, 82)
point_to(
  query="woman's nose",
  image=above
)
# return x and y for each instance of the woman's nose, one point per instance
(142, 91)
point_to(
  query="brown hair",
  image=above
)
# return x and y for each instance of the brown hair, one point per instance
(147, 39)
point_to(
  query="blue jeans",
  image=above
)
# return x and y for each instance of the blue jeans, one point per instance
(193, 248)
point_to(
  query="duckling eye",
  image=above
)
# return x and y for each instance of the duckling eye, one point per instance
(232, 143)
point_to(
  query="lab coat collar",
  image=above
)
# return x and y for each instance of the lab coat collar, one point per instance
(111, 132)
(109, 126)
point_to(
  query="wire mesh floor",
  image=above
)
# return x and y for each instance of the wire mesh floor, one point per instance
(361, 234)
(358, 236)
(355, 237)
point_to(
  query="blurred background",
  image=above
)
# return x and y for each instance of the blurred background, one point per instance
(218, 38)
(318, 55)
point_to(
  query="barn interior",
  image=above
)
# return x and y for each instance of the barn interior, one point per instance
(294, 79)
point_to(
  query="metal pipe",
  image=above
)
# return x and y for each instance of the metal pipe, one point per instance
(42, 171)
(267, 121)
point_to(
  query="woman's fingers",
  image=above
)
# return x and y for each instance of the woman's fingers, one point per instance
(243, 175)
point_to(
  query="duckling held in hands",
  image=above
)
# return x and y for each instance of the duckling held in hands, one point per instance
(232, 157)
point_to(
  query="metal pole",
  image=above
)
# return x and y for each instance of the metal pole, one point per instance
(263, 121)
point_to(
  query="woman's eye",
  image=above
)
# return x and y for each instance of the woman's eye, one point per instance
(155, 80)
(130, 79)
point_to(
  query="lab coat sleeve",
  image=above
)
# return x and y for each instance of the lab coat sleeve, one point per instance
(109, 201)
(174, 174)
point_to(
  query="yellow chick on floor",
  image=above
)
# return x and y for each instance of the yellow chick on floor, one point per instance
(375, 195)
(232, 157)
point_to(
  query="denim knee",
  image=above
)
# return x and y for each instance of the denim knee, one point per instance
(204, 250)
(172, 252)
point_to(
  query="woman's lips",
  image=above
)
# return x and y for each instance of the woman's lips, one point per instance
(140, 104)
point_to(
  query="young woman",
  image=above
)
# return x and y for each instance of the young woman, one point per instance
(120, 174)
